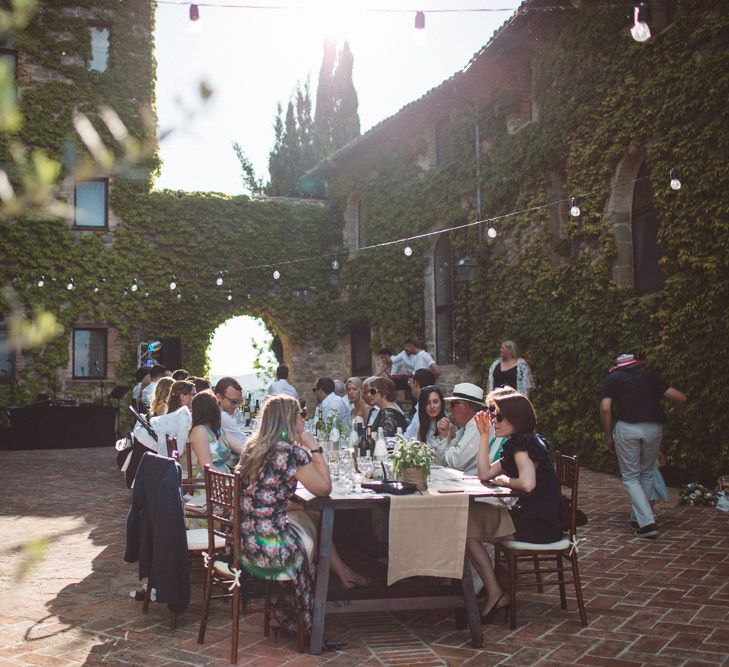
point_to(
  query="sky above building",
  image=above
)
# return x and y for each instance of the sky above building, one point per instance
(253, 58)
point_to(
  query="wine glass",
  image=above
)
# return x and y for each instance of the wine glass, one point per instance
(358, 478)
(366, 466)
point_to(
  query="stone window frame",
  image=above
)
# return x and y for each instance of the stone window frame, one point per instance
(100, 25)
(619, 215)
(105, 373)
(353, 231)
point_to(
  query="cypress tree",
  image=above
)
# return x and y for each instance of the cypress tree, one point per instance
(346, 119)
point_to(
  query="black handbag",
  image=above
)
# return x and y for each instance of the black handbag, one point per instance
(392, 487)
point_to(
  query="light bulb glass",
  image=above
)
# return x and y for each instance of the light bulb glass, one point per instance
(640, 31)
(135, 287)
(675, 184)
(276, 274)
(70, 285)
(230, 297)
(408, 251)
(146, 294)
(96, 290)
(575, 211)
(491, 233)
(335, 264)
(173, 285)
(41, 282)
(179, 296)
(195, 27)
(219, 281)
(419, 37)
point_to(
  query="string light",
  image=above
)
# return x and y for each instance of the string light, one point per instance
(179, 295)
(219, 280)
(195, 26)
(574, 207)
(71, 285)
(146, 294)
(640, 30)
(408, 250)
(675, 183)
(135, 287)
(41, 281)
(335, 263)
(276, 274)
(491, 233)
(419, 37)
(173, 283)
(230, 296)
(96, 289)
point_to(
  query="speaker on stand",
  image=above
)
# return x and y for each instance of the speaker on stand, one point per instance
(170, 356)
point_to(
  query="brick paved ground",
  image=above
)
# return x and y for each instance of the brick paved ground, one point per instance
(648, 602)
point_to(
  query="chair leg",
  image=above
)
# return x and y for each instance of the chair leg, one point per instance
(235, 601)
(560, 576)
(267, 611)
(206, 605)
(300, 633)
(538, 574)
(578, 589)
(512, 590)
(173, 621)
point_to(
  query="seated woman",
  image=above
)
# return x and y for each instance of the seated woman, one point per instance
(177, 420)
(277, 456)
(209, 442)
(525, 465)
(357, 404)
(390, 416)
(158, 406)
(431, 409)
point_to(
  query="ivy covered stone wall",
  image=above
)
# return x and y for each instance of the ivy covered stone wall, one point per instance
(547, 280)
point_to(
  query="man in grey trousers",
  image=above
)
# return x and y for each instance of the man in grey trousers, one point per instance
(636, 436)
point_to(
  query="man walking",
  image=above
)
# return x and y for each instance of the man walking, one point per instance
(636, 436)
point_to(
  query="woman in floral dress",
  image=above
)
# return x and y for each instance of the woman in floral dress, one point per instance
(276, 541)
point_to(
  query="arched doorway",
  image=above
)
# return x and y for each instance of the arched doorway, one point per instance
(243, 347)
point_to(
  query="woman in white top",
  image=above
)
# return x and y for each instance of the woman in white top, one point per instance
(431, 409)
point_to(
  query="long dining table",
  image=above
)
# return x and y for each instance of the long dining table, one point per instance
(460, 595)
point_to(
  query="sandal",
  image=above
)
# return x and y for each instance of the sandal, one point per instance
(487, 616)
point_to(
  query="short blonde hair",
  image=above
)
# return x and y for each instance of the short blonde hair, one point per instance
(512, 346)
(161, 394)
(357, 383)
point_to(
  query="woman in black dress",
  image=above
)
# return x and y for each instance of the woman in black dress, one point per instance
(526, 466)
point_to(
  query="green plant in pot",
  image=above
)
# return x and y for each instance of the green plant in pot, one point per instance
(411, 463)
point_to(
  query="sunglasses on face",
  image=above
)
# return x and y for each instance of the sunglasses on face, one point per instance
(495, 416)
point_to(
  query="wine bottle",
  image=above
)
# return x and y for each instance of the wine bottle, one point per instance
(380, 454)
(363, 444)
(370, 441)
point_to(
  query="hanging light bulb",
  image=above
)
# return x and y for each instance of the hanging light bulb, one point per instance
(71, 285)
(491, 233)
(230, 296)
(675, 183)
(126, 293)
(173, 284)
(146, 294)
(640, 30)
(335, 263)
(419, 37)
(96, 289)
(41, 281)
(195, 26)
(219, 279)
(135, 287)
(574, 207)
(408, 250)
(276, 274)
(179, 295)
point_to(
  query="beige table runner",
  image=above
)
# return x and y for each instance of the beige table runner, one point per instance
(427, 536)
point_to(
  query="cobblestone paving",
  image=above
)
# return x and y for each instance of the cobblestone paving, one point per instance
(663, 602)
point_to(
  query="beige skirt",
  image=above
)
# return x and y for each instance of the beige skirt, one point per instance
(488, 519)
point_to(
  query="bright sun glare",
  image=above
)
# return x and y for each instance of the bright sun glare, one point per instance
(231, 352)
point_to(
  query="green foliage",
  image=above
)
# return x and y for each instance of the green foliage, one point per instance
(412, 454)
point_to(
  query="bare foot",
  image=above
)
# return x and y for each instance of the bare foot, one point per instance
(355, 580)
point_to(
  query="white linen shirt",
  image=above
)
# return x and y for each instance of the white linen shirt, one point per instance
(282, 386)
(422, 360)
(411, 432)
(462, 451)
(337, 404)
(229, 424)
(148, 394)
(402, 363)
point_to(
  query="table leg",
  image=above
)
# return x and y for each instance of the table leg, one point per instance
(326, 532)
(472, 613)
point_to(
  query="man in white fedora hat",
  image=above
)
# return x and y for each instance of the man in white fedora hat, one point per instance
(458, 448)
(636, 436)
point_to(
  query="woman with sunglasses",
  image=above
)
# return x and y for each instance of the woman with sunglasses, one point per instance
(525, 465)
(431, 409)
(390, 416)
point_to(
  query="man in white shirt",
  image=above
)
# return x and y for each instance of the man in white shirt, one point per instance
(459, 448)
(155, 373)
(281, 384)
(330, 402)
(423, 377)
(422, 359)
(230, 395)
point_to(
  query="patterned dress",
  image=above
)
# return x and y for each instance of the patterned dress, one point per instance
(270, 544)
(219, 453)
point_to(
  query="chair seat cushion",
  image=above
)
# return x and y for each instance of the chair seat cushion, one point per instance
(564, 543)
(197, 539)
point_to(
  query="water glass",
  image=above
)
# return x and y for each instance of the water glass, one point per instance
(358, 478)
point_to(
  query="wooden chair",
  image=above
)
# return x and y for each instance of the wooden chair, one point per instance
(223, 512)
(190, 485)
(568, 471)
